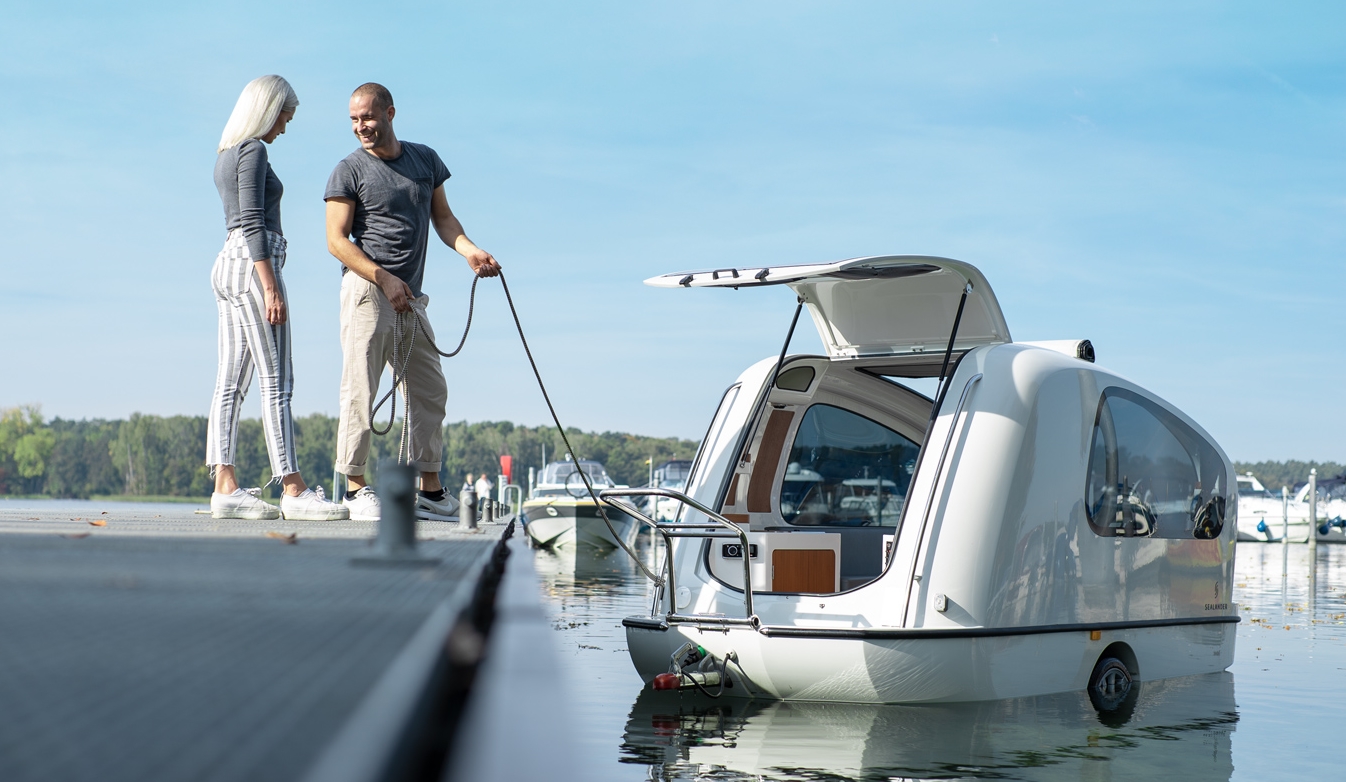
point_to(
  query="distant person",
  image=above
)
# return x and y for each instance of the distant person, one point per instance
(483, 486)
(382, 201)
(254, 327)
(468, 485)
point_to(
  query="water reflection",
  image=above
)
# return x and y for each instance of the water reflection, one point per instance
(1289, 659)
(1179, 728)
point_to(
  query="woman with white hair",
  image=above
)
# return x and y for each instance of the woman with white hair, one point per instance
(254, 324)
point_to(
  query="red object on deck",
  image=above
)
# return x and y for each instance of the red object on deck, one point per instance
(506, 465)
(666, 681)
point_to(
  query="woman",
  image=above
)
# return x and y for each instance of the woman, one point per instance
(250, 297)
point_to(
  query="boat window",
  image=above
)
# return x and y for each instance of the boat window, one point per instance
(560, 472)
(1150, 474)
(845, 470)
(796, 379)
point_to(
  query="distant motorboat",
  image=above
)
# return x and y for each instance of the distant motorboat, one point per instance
(672, 474)
(559, 513)
(1262, 517)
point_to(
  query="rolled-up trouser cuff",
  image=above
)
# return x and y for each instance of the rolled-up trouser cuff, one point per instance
(351, 469)
(427, 466)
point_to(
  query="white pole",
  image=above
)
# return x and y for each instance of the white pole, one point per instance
(1313, 515)
(1285, 531)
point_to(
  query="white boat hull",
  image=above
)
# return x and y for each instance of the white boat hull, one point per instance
(569, 524)
(931, 670)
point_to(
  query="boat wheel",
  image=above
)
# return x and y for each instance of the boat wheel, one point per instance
(577, 490)
(1109, 687)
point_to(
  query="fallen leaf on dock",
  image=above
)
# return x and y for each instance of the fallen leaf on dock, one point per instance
(77, 535)
(104, 513)
(98, 523)
(293, 538)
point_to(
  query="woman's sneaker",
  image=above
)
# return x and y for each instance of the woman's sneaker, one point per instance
(242, 504)
(364, 506)
(312, 505)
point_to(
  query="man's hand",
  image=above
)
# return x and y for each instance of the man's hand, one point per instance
(398, 292)
(482, 262)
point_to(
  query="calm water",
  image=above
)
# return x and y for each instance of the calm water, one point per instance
(1275, 714)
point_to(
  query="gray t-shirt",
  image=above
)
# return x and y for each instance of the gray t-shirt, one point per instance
(392, 206)
(251, 193)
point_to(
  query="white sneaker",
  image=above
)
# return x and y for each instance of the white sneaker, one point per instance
(436, 511)
(242, 504)
(364, 506)
(312, 505)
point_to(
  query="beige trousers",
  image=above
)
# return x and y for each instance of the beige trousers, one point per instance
(366, 348)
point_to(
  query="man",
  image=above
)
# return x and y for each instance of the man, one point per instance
(382, 200)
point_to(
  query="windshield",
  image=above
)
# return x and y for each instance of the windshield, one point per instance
(673, 475)
(559, 472)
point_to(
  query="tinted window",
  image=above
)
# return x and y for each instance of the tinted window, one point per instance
(845, 470)
(1151, 475)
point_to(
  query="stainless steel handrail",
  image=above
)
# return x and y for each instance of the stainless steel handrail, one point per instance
(934, 490)
(675, 527)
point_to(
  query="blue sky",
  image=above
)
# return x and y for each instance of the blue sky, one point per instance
(1167, 182)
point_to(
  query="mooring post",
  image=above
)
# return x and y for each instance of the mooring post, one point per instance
(487, 511)
(397, 510)
(467, 508)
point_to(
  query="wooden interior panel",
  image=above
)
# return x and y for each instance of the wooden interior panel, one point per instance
(803, 570)
(769, 456)
(732, 498)
(737, 518)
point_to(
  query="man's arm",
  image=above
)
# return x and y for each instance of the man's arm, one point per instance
(451, 232)
(340, 220)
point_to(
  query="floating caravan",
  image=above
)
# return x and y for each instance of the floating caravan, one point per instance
(1036, 525)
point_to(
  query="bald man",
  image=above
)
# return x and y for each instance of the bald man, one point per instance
(382, 201)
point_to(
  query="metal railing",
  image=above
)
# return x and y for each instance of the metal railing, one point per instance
(720, 527)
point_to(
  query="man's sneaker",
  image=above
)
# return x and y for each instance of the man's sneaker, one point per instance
(242, 504)
(312, 505)
(364, 506)
(436, 510)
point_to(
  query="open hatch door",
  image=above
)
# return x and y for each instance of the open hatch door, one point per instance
(877, 306)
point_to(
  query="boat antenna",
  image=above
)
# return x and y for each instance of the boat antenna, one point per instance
(948, 352)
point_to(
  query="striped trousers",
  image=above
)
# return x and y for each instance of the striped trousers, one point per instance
(248, 340)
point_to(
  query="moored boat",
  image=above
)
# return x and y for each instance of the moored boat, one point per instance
(559, 513)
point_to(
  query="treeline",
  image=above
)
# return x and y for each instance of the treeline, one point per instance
(1274, 475)
(158, 456)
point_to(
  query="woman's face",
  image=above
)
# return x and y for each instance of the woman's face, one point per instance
(279, 127)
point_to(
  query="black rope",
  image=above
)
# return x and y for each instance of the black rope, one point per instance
(415, 327)
(569, 449)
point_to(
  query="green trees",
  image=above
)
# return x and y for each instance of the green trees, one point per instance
(150, 455)
(25, 445)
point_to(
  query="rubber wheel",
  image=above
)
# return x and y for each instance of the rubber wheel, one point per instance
(1111, 690)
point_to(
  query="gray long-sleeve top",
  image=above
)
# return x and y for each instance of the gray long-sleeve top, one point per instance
(251, 194)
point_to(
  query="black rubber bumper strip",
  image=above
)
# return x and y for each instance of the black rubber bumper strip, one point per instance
(896, 633)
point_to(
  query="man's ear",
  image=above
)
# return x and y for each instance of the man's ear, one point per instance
(392, 110)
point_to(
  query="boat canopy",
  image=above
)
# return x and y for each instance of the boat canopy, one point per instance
(880, 305)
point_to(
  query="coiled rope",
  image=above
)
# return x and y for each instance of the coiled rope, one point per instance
(406, 326)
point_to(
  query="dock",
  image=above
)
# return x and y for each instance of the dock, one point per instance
(172, 646)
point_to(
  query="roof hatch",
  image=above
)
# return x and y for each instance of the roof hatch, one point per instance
(882, 305)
